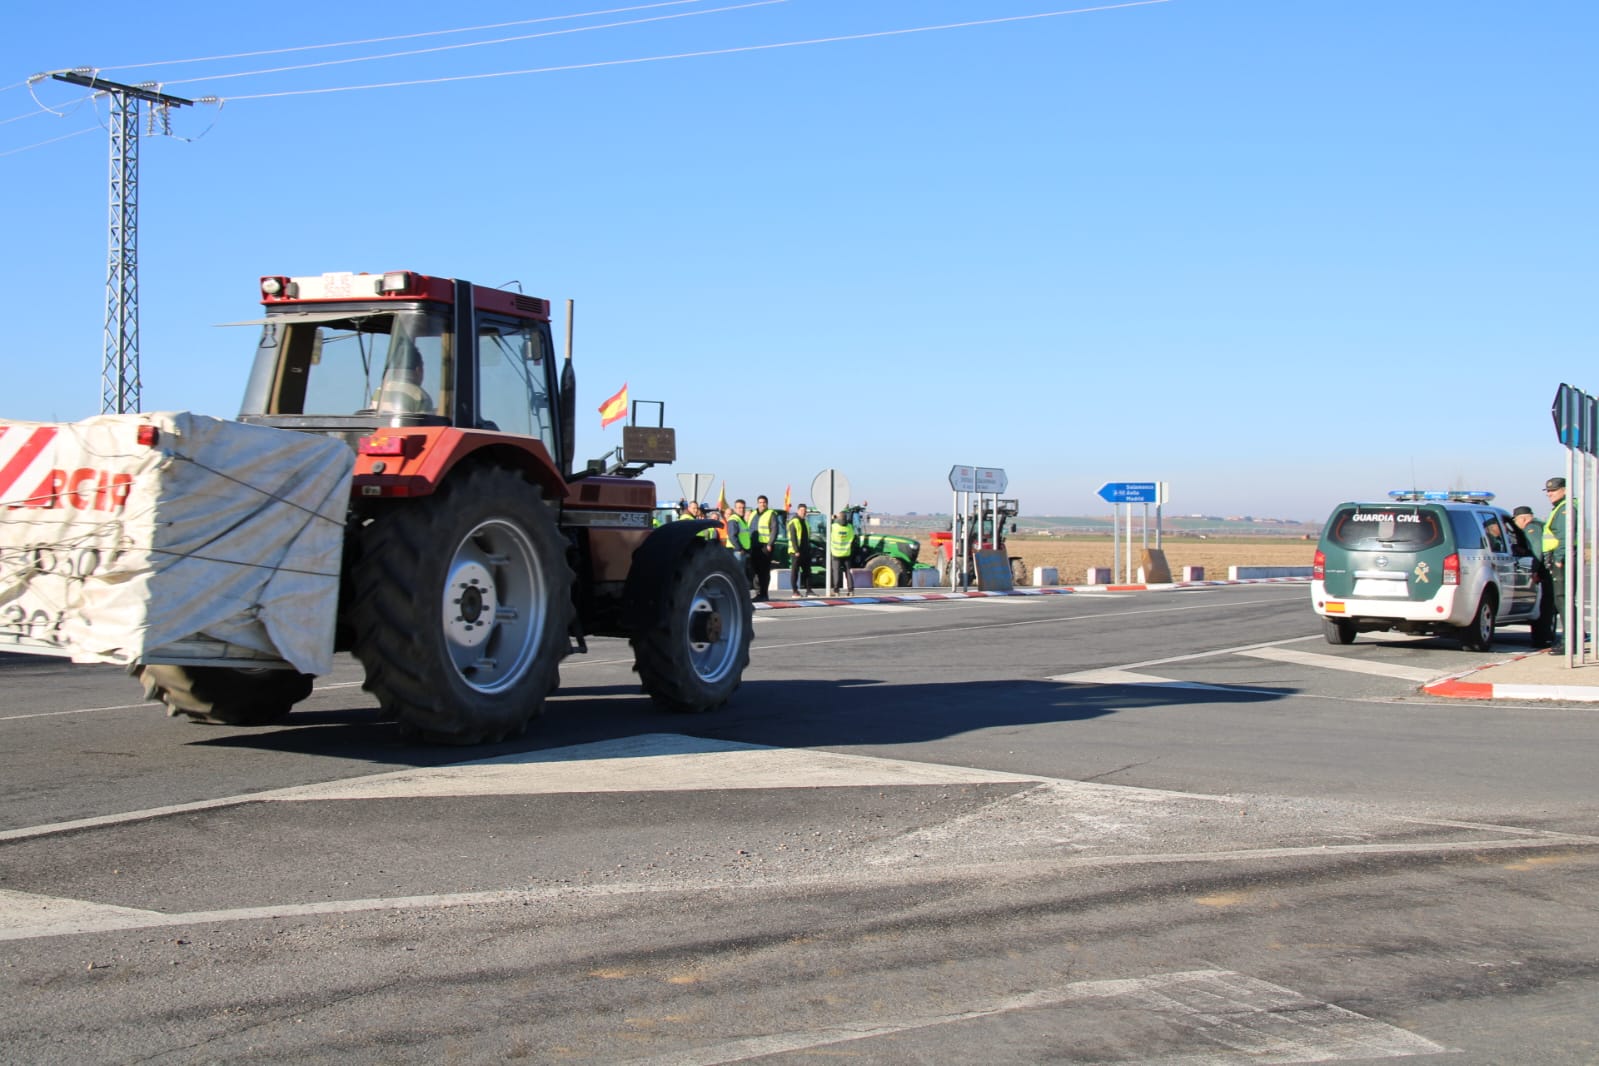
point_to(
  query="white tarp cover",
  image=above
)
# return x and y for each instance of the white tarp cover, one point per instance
(110, 549)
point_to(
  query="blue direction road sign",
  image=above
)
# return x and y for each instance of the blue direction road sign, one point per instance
(1129, 492)
(1576, 416)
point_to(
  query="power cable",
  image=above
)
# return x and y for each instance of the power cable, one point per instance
(474, 44)
(400, 36)
(702, 54)
(52, 140)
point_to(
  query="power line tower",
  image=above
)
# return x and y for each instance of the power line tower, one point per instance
(119, 367)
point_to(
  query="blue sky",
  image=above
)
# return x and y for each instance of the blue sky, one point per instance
(1277, 253)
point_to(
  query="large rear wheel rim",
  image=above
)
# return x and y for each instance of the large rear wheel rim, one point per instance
(715, 630)
(493, 612)
(884, 577)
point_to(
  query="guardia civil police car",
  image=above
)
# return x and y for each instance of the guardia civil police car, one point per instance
(1431, 563)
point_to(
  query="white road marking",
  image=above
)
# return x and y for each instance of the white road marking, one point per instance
(1129, 677)
(1088, 812)
(1342, 662)
(881, 608)
(1226, 1017)
(647, 763)
(1131, 673)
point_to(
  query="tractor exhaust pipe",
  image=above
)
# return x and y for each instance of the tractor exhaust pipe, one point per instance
(568, 403)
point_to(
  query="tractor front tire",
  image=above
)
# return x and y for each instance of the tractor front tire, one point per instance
(220, 695)
(690, 656)
(462, 608)
(887, 572)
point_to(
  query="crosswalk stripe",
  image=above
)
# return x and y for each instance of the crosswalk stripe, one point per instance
(1342, 662)
(1130, 677)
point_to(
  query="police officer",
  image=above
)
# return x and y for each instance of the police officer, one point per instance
(799, 552)
(1556, 537)
(763, 534)
(841, 545)
(1528, 523)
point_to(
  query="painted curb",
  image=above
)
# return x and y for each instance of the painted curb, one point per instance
(978, 594)
(1453, 687)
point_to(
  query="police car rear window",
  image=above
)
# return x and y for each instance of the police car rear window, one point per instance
(1385, 528)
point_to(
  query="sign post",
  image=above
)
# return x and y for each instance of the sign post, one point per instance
(962, 482)
(1576, 418)
(966, 515)
(831, 485)
(1129, 493)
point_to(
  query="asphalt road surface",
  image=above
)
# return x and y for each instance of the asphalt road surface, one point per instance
(1169, 827)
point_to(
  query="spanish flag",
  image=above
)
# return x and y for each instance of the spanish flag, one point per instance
(614, 409)
(788, 496)
(721, 499)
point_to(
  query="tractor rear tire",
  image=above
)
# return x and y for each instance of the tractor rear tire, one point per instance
(220, 695)
(691, 656)
(887, 572)
(462, 608)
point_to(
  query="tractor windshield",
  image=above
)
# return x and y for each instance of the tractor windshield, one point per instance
(389, 362)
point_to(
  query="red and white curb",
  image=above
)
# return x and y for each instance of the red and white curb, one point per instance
(1456, 688)
(978, 594)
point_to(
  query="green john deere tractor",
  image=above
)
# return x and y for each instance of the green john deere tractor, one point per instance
(887, 557)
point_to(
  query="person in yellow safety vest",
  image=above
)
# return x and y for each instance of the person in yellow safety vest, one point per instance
(738, 536)
(799, 553)
(841, 545)
(694, 511)
(1556, 536)
(763, 534)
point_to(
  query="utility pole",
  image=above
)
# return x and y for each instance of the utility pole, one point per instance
(119, 367)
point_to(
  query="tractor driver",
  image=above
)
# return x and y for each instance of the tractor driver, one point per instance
(402, 392)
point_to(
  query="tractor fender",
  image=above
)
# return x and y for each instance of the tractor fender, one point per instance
(415, 461)
(649, 576)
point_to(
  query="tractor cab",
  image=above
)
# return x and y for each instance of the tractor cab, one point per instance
(353, 353)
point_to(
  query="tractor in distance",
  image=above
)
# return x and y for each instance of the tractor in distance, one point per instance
(887, 557)
(477, 553)
(985, 526)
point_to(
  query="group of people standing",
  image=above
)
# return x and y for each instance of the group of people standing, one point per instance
(1551, 537)
(752, 536)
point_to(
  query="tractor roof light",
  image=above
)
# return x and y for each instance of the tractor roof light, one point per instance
(397, 283)
(277, 287)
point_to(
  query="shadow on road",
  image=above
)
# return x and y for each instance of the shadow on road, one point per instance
(778, 713)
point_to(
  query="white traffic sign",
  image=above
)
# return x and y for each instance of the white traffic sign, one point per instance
(991, 479)
(963, 478)
(831, 490)
(695, 486)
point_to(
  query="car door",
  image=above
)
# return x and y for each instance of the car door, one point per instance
(1496, 543)
(1527, 564)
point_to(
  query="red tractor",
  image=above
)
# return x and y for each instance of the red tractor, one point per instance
(477, 555)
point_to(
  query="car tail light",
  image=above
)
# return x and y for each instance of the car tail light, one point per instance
(1451, 569)
(1318, 566)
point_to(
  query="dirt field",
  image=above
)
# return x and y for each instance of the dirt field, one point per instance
(1072, 556)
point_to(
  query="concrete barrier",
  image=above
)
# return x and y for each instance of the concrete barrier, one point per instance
(1193, 573)
(1046, 575)
(1097, 575)
(1245, 573)
(924, 579)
